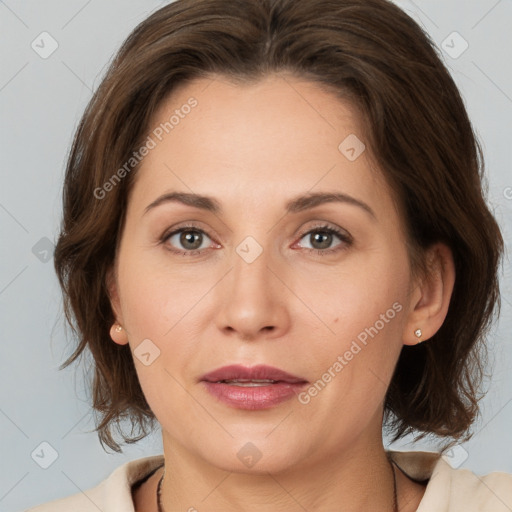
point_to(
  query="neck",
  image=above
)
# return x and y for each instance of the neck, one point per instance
(353, 480)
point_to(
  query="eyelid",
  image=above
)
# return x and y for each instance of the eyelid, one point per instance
(328, 226)
(190, 225)
(187, 226)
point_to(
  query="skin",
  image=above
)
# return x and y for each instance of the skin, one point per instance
(254, 147)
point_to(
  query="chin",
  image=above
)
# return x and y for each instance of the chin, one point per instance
(255, 455)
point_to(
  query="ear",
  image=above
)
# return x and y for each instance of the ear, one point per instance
(430, 298)
(118, 335)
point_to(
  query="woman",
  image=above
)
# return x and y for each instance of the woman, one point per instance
(273, 223)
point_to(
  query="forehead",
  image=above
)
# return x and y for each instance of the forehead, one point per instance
(275, 138)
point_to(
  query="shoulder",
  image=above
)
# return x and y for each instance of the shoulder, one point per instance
(463, 489)
(114, 494)
(452, 489)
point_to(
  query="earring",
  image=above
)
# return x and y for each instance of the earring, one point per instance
(119, 328)
(417, 333)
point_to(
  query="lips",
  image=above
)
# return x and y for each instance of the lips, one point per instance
(255, 388)
(255, 375)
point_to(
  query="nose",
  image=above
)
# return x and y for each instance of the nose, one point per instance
(253, 300)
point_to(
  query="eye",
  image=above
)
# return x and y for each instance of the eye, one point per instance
(190, 239)
(322, 237)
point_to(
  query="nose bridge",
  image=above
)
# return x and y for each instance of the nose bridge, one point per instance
(253, 250)
(251, 274)
(252, 300)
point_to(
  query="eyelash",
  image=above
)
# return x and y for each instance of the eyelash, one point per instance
(322, 229)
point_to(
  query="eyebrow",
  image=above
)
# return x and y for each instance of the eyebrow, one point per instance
(294, 205)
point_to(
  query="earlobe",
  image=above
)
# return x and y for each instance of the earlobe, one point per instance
(430, 304)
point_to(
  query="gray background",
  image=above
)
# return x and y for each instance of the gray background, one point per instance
(41, 101)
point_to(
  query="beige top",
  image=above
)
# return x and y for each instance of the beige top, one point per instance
(448, 489)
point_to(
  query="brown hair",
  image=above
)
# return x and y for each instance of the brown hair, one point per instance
(415, 123)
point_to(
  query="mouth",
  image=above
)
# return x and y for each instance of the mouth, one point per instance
(248, 383)
(260, 375)
(257, 387)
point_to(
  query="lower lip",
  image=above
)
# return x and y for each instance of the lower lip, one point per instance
(254, 397)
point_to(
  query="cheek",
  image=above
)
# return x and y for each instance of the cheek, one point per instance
(368, 286)
(156, 317)
(154, 299)
(365, 312)
(158, 309)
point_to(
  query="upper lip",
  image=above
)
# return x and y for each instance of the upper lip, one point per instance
(261, 371)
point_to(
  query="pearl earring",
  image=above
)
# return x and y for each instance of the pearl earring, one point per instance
(417, 333)
(119, 328)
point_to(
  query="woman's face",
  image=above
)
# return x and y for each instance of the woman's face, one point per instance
(258, 283)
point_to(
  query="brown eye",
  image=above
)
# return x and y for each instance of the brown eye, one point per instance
(186, 240)
(190, 239)
(322, 238)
